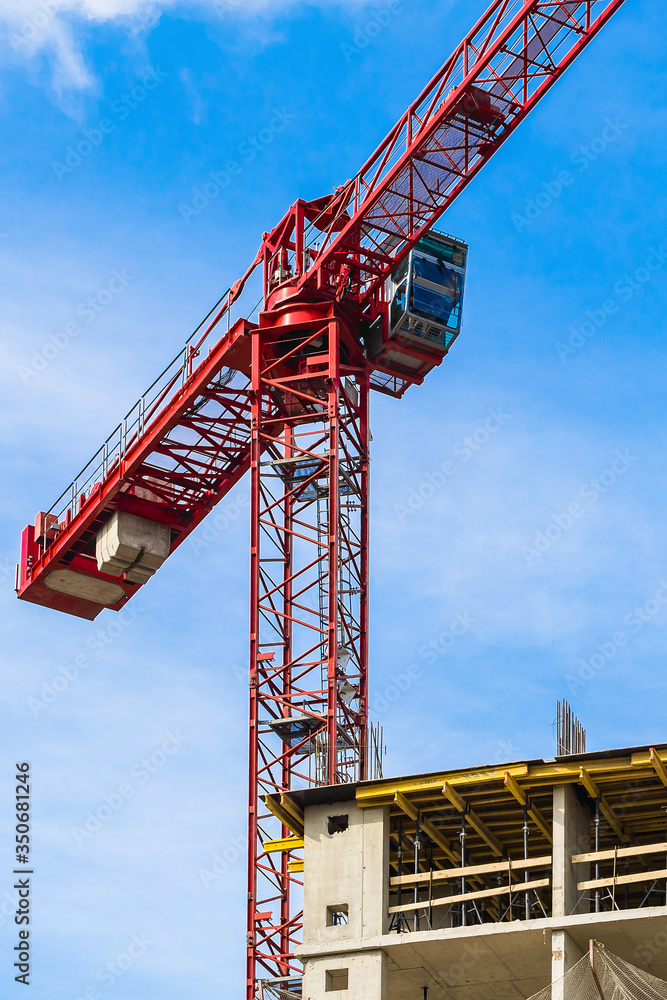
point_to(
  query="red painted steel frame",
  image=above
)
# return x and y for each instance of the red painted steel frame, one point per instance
(496, 76)
(172, 463)
(309, 570)
(353, 240)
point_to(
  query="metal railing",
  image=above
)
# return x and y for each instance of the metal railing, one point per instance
(145, 410)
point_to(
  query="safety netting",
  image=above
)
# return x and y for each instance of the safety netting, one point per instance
(271, 991)
(601, 975)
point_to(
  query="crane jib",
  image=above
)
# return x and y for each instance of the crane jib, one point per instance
(493, 80)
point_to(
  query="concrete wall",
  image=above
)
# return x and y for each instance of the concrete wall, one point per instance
(506, 961)
(352, 870)
(352, 873)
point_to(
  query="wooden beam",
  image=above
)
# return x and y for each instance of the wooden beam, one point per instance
(605, 808)
(274, 805)
(475, 821)
(492, 868)
(599, 883)
(429, 829)
(383, 791)
(533, 776)
(538, 819)
(589, 784)
(658, 766)
(462, 897)
(410, 810)
(484, 775)
(643, 757)
(292, 808)
(621, 852)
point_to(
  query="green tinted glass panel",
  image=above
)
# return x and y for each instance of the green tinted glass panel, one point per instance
(450, 252)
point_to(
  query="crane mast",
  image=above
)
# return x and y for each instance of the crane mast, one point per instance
(359, 292)
(309, 573)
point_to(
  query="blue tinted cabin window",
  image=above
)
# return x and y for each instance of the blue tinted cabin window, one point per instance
(436, 292)
(398, 305)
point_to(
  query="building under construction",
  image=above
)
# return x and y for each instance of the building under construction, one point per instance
(485, 883)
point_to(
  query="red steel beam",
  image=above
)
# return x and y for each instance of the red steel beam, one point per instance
(491, 83)
(510, 59)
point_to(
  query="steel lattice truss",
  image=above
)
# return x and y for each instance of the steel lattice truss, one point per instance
(308, 603)
(492, 81)
(180, 450)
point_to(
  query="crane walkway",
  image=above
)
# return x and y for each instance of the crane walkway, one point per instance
(180, 449)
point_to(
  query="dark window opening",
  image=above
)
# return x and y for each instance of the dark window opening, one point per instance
(337, 824)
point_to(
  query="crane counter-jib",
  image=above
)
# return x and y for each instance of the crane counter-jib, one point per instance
(185, 445)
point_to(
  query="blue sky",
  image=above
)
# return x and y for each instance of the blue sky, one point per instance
(531, 573)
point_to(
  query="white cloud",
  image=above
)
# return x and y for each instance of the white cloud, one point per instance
(48, 27)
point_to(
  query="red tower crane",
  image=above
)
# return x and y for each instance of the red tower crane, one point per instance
(359, 292)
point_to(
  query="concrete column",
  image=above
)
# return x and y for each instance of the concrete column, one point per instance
(347, 900)
(564, 954)
(572, 835)
(352, 976)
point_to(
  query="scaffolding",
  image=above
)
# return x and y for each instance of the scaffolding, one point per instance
(476, 846)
